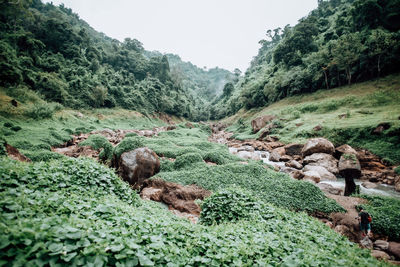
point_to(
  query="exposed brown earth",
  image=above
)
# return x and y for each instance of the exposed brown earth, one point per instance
(13, 153)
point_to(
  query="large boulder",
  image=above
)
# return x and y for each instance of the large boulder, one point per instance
(137, 165)
(327, 188)
(293, 149)
(258, 123)
(294, 164)
(324, 160)
(322, 171)
(317, 145)
(349, 166)
(274, 156)
(369, 185)
(344, 149)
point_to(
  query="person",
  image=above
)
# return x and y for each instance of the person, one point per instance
(365, 225)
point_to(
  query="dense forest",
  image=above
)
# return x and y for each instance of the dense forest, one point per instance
(51, 51)
(341, 42)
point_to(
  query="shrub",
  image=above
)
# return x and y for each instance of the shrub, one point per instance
(131, 134)
(42, 110)
(8, 124)
(99, 142)
(216, 157)
(230, 205)
(43, 155)
(128, 144)
(308, 108)
(397, 170)
(16, 128)
(186, 160)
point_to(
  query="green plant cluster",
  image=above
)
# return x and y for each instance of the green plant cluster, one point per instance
(99, 142)
(385, 215)
(187, 160)
(76, 212)
(128, 144)
(268, 185)
(233, 204)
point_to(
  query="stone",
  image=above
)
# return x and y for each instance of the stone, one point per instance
(297, 174)
(246, 148)
(342, 229)
(150, 193)
(258, 123)
(79, 115)
(349, 166)
(322, 159)
(394, 249)
(312, 176)
(327, 188)
(317, 128)
(285, 158)
(294, 164)
(189, 125)
(380, 255)
(366, 243)
(380, 128)
(317, 145)
(233, 150)
(274, 156)
(322, 171)
(137, 165)
(329, 224)
(344, 149)
(397, 186)
(280, 150)
(381, 245)
(293, 149)
(369, 185)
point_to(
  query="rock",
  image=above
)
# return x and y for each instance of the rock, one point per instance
(325, 160)
(381, 245)
(79, 115)
(327, 188)
(294, 164)
(171, 127)
(299, 124)
(150, 193)
(14, 102)
(285, 158)
(329, 224)
(397, 185)
(317, 128)
(248, 155)
(369, 185)
(233, 150)
(14, 153)
(280, 151)
(342, 229)
(287, 170)
(344, 149)
(246, 148)
(380, 255)
(342, 116)
(267, 138)
(312, 176)
(189, 125)
(322, 171)
(274, 156)
(366, 243)
(380, 128)
(317, 145)
(349, 166)
(293, 149)
(297, 174)
(394, 249)
(137, 165)
(217, 127)
(258, 123)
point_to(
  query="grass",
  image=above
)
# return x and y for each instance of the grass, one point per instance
(362, 106)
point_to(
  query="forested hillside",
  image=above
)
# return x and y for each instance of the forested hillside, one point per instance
(341, 42)
(51, 51)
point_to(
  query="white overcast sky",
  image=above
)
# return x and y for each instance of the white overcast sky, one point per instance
(223, 33)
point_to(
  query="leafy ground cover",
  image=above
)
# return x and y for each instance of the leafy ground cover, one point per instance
(77, 212)
(347, 114)
(385, 215)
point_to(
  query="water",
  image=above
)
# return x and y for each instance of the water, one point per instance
(380, 190)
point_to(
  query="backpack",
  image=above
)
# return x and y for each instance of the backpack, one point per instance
(369, 218)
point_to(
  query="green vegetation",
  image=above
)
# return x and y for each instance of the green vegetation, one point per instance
(338, 43)
(186, 160)
(77, 212)
(330, 109)
(99, 142)
(128, 144)
(385, 215)
(233, 204)
(397, 170)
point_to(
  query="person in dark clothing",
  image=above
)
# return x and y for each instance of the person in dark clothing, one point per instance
(365, 224)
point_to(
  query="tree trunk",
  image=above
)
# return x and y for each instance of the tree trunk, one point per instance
(379, 66)
(348, 74)
(350, 186)
(326, 78)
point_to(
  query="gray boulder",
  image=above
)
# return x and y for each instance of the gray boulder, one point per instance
(317, 145)
(312, 176)
(274, 156)
(349, 166)
(293, 149)
(258, 123)
(324, 160)
(137, 165)
(294, 164)
(322, 171)
(381, 245)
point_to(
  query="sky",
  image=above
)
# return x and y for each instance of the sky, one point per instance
(208, 33)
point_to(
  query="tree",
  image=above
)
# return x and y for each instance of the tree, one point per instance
(346, 52)
(379, 43)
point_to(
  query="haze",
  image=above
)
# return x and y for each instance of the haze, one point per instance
(208, 33)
